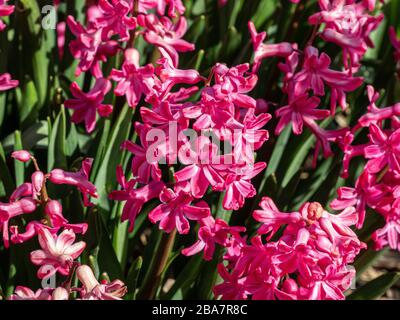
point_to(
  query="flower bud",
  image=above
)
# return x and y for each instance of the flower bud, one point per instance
(21, 155)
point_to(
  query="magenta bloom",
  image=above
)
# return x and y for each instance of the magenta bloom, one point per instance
(163, 33)
(133, 81)
(114, 19)
(135, 197)
(383, 150)
(86, 105)
(316, 73)
(57, 254)
(89, 47)
(349, 26)
(6, 82)
(211, 232)
(262, 50)
(200, 169)
(238, 184)
(5, 10)
(300, 110)
(174, 7)
(143, 166)
(78, 179)
(175, 209)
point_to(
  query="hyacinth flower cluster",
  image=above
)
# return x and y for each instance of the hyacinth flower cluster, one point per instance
(194, 160)
(309, 261)
(59, 249)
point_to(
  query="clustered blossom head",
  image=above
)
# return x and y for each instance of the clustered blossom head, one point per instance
(378, 185)
(307, 73)
(59, 249)
(309, 261)
(110, 25)
(6, 82)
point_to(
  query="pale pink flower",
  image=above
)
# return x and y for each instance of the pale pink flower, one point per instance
(24, 293)
(12, 210)
(21, 155)
(93, 290)
(57, 254)
(87, 105)
(78, 179)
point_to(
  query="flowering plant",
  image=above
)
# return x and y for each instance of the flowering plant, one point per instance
(198, 149)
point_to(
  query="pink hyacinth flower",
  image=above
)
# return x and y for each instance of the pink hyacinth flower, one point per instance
(174, 7)
(133, 81)
(262, 50)
(300, 110)
(93, 290)
(6, 82)
(12, 210)
(57, 254)
(211, 232)
(316, 73)
(383, 150)
(5, 10)
(135, 197)
(21, 155)
(165, 34)
(78, 179)
(114, 19)
(87, 105)
(238, 185)
(175, 209)
(200, 169)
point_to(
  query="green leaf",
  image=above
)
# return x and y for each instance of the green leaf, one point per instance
(105, 179)
(100, 246)
(5, 175)
(185, 278)
(376, 288)
(133, 275)
(18, 165)
(57, 148)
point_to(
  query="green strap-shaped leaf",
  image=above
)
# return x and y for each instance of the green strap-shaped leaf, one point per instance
(57, 143)
(105, 179)
(376, 288)
(133, 275)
